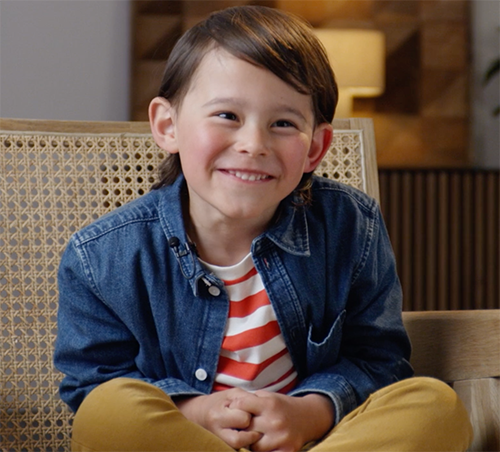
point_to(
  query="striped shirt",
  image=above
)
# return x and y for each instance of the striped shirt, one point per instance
(253, 354)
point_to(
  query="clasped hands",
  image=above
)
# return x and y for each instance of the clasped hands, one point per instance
(261, 421)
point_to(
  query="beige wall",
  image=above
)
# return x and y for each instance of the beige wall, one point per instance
(485, 137)
(65, 59)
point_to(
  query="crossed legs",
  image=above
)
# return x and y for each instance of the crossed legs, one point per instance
(418, 414)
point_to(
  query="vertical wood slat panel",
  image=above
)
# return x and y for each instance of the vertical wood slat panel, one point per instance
(478, 240)
(456, 246)
(468, 232)
(407, 232)
(417, 296)
(431, 241)
(495, 233)
(445, 230)
(492, 240)
(443, 246)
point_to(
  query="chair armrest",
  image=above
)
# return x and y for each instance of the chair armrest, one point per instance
(455, 345)
(481, 398)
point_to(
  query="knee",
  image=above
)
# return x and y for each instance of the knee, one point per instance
(437, 395)
(119, 405)
(441, 410)
(117, 396)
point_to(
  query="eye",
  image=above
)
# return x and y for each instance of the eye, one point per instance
(227, 115)
(284, 123)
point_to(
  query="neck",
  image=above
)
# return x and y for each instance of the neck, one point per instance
(222, 245)
(221, 239)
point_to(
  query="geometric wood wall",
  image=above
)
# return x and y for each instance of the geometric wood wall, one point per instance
(421, 120)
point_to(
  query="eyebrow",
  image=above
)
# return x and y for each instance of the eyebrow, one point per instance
(281, 107)
(293, 111)
(222, 100)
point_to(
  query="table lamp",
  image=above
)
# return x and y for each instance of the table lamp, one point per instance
(357, 57)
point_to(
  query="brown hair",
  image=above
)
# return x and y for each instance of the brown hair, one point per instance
(266, 37)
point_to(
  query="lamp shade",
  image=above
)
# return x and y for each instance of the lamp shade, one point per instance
(357, 58)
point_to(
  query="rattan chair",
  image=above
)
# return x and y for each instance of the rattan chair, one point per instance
(56, 177)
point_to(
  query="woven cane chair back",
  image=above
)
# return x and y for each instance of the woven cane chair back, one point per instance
(55, 178)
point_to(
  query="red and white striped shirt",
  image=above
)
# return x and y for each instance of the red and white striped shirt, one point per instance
(253, 354)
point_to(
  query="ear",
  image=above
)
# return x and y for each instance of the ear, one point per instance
(162, 122)
(321, 140)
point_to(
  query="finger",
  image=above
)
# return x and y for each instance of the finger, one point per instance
(238, 398)
(263, 444)
(275, 433)
(236, 393)
(236, 419)
(250, 404)
(238, 439)
(267, 425)
(227, 418)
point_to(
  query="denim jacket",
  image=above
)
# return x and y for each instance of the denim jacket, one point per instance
(136, 302)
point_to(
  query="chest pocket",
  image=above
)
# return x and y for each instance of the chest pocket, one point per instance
(324, 354)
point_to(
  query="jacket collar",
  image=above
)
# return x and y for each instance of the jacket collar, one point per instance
(290, 231)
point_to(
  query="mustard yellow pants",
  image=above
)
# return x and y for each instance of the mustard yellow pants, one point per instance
(418, 414)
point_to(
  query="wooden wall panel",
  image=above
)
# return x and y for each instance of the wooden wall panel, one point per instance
(443, 226)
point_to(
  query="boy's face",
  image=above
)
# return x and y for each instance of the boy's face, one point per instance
(245, 138)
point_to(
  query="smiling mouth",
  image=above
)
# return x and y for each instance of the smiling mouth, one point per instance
(252, 177)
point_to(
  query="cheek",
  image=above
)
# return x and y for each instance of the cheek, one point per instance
(295, 154)
(206, 142)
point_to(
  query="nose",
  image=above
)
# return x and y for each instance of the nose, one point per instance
(252, 140)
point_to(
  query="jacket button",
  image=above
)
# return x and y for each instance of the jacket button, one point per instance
(201, 374)
(214, 291)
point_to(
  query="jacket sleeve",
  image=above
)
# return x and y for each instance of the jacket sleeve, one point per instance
(374, 347)
(93, 345)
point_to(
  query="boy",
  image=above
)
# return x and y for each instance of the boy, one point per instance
(243, 303)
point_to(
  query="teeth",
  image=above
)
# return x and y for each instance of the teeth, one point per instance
(248, 176)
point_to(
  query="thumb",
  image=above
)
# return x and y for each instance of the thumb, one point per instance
(238, 439)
